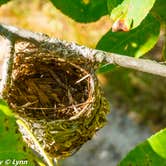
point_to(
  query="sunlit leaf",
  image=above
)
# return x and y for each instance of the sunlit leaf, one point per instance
(152, 152)
(129, 14)
(133, 43)
(12, 147)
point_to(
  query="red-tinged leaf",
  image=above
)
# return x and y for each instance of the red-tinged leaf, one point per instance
(130, 13)
(133, 43)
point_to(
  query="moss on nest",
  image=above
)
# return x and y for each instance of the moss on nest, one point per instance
(58, 98)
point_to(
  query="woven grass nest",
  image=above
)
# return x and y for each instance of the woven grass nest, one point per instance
(58, 97)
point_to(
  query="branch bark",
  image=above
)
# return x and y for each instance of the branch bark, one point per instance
(71, 49)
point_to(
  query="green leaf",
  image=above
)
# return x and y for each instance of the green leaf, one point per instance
(12, 147)
(133, 43)
(105, 68)
(111, 4)
(82, 10)
(3, 2)
(159, 10)
(129, 14)
(152, 152)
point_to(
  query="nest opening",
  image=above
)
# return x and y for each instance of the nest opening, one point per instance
(51, 89)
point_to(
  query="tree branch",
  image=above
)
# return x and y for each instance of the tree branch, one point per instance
(72, 50)
(144, 65)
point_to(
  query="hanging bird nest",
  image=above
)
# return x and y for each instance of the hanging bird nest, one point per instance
(56, 93)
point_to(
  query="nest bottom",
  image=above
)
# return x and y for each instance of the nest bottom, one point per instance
(62, 138)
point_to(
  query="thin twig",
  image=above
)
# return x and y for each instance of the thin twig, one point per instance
(83, 78)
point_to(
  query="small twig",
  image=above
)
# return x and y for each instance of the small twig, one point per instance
(28, 104)
(78, 114)
(39, 108)
(75, 109)
(83, 78)
(70, 97)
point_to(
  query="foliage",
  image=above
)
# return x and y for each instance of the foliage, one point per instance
(132, 43)
(3, 2)
(159, 10)
(12, 147)
(126, 13)
(82, 10)
(152, 152)
(125, 16)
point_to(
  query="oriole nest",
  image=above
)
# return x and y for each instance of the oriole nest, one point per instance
(58, 98)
